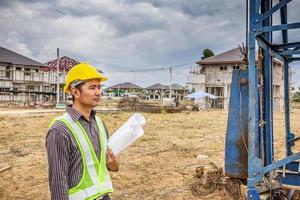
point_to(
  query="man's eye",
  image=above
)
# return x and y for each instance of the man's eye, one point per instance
(94, 87)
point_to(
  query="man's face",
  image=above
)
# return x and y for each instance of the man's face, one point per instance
(90, 94)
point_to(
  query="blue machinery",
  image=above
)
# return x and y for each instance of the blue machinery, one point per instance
(249, 152)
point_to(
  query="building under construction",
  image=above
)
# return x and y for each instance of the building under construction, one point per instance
(26, 82)
(213, 75)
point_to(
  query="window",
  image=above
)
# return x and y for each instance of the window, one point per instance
(18, 68)
(236, 67)
(4, 89)
(30, 87)
(7, 72)
(27, 72)
(223, 68)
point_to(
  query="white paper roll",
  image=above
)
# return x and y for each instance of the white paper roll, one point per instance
(135, 119)
(131, 130)
(128, 135)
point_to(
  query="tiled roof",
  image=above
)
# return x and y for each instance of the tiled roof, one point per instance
(65, 63)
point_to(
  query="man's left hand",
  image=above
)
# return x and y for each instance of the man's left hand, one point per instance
(112, 161)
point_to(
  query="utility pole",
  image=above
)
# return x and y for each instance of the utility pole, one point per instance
(57, 77)
(170, 82)
(64, 78)
(133, 74)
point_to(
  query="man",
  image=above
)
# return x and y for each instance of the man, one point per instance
(76, 142)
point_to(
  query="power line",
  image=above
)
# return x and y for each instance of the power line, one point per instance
(125, 68)
(184, 65)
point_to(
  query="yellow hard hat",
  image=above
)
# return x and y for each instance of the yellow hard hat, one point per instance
(82, 72)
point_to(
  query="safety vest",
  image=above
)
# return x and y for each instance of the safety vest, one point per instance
(95, 181)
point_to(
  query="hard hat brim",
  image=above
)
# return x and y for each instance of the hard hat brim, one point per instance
(101, 78)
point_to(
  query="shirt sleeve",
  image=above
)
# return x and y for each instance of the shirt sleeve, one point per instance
(57, 145)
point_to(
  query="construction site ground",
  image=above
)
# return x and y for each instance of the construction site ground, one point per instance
(160, 165)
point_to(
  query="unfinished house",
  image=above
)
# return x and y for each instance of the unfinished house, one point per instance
(159, 91)
(124, 89)
(21, 80)
(64, 64)
(156, 91)
(214, 76)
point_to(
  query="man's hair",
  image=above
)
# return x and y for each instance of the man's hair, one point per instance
(79, 86)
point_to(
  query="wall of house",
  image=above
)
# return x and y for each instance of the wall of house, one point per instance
(218, 82)
(159, 94)
(23, 85)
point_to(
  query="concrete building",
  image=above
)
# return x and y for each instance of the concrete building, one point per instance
(22, 80)
(214, 76)
(124, 89)
(159, 91)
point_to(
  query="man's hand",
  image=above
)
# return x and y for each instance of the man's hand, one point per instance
(112, 161)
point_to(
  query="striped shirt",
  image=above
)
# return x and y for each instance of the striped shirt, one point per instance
(64, 159)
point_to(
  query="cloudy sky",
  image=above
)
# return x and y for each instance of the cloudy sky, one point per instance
(127, 39)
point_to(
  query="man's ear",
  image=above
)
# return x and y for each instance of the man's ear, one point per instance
(75, 92)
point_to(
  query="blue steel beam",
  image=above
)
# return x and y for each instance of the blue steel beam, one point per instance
(254, 163)
(289, 52)
(282, 162)
(280, 27)
(287, 45)
(263, 43)
(283, 18)
(275, 8)
(288, 133)
(294, 140)
(268, 89)
(260, 30)
(294, 59)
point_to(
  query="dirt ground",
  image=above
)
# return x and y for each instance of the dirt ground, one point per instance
(152, 168)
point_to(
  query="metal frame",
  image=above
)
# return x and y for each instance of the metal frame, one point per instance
(261, 155)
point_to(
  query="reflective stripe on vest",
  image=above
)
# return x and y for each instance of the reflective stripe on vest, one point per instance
(92, 184)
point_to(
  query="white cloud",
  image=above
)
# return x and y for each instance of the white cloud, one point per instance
(124, 34)
(15, 44)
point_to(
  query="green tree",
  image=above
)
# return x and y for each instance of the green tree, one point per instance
(296, 95)
(207, 53)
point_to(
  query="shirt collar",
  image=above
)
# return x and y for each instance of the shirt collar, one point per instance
(75, 115)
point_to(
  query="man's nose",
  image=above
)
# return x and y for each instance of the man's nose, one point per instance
(98, 91)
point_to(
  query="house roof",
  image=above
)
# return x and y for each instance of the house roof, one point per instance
(157, 86)
(65, 64)
(178, 87)
(231, 56)
(11, 57)
(126, 85)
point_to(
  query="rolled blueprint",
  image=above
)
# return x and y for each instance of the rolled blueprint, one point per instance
(130, 131)
(135, 119)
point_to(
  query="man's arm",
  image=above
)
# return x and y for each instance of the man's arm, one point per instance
(58, 155)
